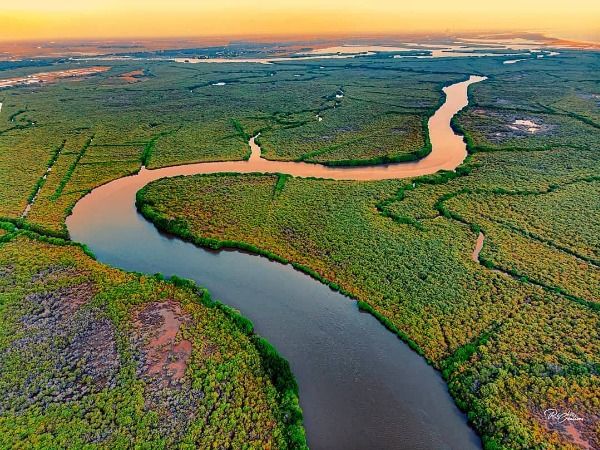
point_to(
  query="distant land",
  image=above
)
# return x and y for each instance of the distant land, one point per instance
(274, 45)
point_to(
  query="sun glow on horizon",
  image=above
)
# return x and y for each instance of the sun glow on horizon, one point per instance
(67, 19)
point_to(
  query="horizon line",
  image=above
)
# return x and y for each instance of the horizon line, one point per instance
(290, 37)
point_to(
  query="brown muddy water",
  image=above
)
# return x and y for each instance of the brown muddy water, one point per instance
(478, 247)
(360, 386)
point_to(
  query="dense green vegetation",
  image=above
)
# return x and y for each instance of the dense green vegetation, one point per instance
(514, 333)
(181, 113)
(98, 357)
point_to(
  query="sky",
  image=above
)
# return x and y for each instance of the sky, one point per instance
(69, 19)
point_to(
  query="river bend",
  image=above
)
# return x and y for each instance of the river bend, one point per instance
(360, 386)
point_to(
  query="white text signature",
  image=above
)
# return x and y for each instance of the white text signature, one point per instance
(559, 417)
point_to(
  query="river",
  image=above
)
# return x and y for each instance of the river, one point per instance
(360, 386)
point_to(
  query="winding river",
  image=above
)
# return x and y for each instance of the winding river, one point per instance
(360, 386)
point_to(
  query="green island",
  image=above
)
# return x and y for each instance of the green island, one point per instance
(514, 329)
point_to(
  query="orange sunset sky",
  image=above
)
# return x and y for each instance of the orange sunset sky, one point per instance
(66, 19)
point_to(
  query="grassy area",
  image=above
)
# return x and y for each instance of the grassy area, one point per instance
(93, 356)
(539, 235)
(178, 113)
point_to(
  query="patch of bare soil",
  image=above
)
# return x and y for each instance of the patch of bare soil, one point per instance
(48, 310)
(72, 348)
(478, 247)
(577, 429)
(164, 356)
(51, 77)
(162, 362)
(500, 126)
(135, 76)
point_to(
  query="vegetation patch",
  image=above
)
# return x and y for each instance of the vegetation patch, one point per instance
(92, 356)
